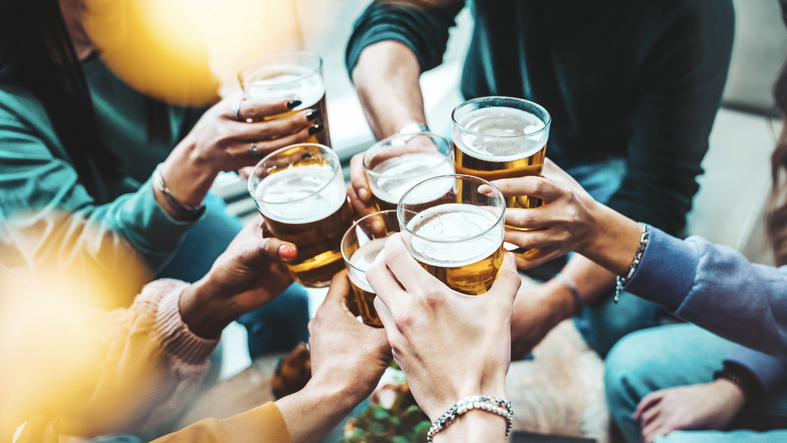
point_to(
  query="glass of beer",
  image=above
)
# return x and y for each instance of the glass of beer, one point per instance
(301, 193)
(401, 161)
(501, 137)
(454, 231)
(360, 246)
(297, 75)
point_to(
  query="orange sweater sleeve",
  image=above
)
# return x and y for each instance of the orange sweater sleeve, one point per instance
(264, 424)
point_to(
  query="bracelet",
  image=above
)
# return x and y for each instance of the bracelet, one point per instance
(621, 281)
(190, 210)
(578, 305)
(413, 127)
(488, 404)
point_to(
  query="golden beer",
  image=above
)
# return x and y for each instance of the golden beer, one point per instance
(297, 75)
(468, 250)
(301, 193)
(499, 137)
(360, 247)
(396, 164)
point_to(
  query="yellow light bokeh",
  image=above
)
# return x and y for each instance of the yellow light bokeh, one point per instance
(183, 51)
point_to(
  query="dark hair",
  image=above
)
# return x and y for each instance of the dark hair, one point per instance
(777, 216)
(36, 52)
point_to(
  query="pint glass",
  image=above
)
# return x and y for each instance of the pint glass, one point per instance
(454, 231)
(501, 137)
(399, 162)
(360, 246)
(301, 193)
(297, 75)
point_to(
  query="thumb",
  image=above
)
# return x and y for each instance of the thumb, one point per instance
(507, 282)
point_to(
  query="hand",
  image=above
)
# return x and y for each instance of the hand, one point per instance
(450, 346)
(345, 353)
(536, 312)
(709, 406)
(569, 220)
(247, 275)
(347, 357)
(220, 142)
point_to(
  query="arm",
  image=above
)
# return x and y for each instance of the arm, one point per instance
(393, 42)
(716, 288)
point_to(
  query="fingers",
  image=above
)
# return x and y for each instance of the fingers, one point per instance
(404, 267)
(361, 209)
(358, 179)
(258, 109)
(534, 257)
(339, 289)
(534, 186)
(384, 314)
(507, 282)
(646, 402)
(528, 218)
(536, 238)
(271, 129)
(653, 430)
(268, 250)
(384, 284)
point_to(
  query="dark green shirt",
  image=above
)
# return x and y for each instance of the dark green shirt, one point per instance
(621, 78)
(39, 188)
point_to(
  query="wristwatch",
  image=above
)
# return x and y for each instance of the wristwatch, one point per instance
(413, 127)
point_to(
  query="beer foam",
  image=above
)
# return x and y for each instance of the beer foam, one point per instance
(512, 125)
(296, 187)
(362, 259)
(454, 226)
(283, 83)
(401, 173)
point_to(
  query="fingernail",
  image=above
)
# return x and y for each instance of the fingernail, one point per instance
(55, 427)
(293, 103)
(287, 252)
(315, 129)
(313, 114)
(363, 194)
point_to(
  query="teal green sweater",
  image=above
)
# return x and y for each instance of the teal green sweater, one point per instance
(39, 187)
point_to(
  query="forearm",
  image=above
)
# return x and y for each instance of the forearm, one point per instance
(387, 80)
(314, 410)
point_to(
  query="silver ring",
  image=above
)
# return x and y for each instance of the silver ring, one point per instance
(236, 110)
(253, 151)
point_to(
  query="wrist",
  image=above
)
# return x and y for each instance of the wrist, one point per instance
(474, 425)
(611, 239)
(204, 310)
(188, 173)
(559, 301)
(492, 386)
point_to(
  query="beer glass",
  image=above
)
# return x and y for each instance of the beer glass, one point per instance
(297, 75)
(399, 162)
(501, 137)
(360, 246)
(301, 193)
(454, 231)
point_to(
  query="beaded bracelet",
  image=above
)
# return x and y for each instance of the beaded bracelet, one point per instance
(621, 281)
(489, 404)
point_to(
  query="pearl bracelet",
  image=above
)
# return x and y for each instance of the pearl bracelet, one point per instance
(488, 404)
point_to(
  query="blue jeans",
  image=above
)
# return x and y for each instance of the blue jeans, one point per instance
(603, 323)
(681, 355)
(276, 327)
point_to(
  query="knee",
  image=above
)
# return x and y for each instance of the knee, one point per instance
(628, 366)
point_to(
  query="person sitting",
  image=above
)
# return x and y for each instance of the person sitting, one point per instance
(677, 377)
(74, 139)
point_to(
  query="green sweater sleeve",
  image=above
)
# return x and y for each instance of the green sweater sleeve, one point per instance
(37, 183)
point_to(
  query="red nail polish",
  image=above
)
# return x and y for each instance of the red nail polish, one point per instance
(287, 251)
